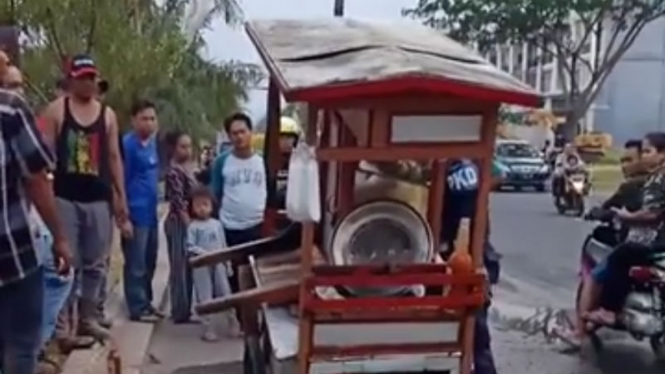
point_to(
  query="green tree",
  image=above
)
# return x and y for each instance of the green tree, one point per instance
(546, 25)
(142, 50)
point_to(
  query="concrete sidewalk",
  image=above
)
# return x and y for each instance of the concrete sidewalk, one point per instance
(129, 339)
(179, 349)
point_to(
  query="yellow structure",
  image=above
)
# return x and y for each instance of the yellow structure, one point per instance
(288, 125)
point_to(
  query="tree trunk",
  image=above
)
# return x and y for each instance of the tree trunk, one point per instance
(570, 129)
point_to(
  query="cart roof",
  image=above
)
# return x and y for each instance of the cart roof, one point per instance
(336, 58)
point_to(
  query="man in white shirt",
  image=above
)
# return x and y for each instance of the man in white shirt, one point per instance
(238, 181)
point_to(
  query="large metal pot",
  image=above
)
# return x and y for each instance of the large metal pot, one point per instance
(382, 232)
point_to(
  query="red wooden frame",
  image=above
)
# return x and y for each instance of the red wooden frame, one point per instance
(405, 95)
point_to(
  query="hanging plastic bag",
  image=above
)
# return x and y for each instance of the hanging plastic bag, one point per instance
(303, 202)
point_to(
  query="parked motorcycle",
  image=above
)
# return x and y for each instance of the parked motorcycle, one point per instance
(643, 315)
(575, 189)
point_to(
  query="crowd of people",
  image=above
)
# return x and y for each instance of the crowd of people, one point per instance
(66, 179)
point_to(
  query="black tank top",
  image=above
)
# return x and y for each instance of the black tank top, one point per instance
(82, 170)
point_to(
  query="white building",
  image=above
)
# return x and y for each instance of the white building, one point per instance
(632, 99)
(539, 69)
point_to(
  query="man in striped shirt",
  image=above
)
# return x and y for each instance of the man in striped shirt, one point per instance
(24, 161)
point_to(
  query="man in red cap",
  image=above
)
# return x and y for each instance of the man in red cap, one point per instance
(88, 183)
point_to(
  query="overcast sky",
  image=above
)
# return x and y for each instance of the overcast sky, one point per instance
(225, 43)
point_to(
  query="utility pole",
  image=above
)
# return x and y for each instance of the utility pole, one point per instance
(338, 9)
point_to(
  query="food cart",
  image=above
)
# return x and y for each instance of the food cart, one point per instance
(376, 95)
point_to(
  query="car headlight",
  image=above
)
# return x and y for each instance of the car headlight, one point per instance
(503, 167)
(544, 169)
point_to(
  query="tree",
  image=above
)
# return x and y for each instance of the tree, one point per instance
(141, 50)
(546, 25)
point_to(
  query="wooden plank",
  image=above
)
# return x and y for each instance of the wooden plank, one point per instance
(416, 152)
(440, 268)
(306, 324)
(471, 301)
(273, 294)
(235, 253)
(412, 104)
(333, 352)
(362, 280)
(392, 316)
(435, 200)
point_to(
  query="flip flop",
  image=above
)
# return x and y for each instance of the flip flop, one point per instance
(568, 337)
(600, 317)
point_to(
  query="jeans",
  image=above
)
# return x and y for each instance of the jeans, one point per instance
(483, 360)
(89, 229)
(599, 273)
(21, 311)
(617, 279)
(140, 261)
(56, 290)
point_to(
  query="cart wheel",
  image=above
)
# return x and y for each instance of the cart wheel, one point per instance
(253, 360)
(658, 347)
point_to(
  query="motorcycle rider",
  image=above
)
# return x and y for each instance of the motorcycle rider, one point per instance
(567, 161)
(626, 196)
(645, 237)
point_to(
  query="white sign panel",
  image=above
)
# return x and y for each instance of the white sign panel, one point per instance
(435, 129)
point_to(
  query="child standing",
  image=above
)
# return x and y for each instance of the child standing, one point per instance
(205, 234)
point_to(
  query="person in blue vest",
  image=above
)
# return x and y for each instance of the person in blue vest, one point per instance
(460, 202)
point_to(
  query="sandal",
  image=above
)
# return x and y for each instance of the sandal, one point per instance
(602, 317)
(569, 337)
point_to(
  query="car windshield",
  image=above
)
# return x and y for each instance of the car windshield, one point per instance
(516, 150)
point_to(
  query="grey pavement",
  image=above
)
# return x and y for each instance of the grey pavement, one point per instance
(539, 279)
(179, 349)
(541, 253)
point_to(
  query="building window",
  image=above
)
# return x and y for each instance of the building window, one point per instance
(517, 61)
(505, 58)
(546, 81)
(531, 77)
(532, 56)
(492, 56)
(548, 57)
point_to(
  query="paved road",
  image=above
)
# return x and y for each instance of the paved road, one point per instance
(541, 252)
(540, 247)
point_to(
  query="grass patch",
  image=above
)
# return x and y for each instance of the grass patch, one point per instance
(611, 157)
(606, 177)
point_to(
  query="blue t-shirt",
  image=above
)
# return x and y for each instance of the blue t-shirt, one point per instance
(460, 202)
(141, 162)
(460, 197)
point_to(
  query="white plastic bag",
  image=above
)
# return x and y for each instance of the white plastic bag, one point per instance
(303, 203)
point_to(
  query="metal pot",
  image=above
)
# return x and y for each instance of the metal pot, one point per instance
(382, 232)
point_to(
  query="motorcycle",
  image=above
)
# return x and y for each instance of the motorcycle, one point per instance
(575, 189)
(643, 314)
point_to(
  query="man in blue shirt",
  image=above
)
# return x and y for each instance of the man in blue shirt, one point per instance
(460, 202)
(141, 179)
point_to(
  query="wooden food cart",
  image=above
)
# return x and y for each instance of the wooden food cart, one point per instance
(376, 93)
